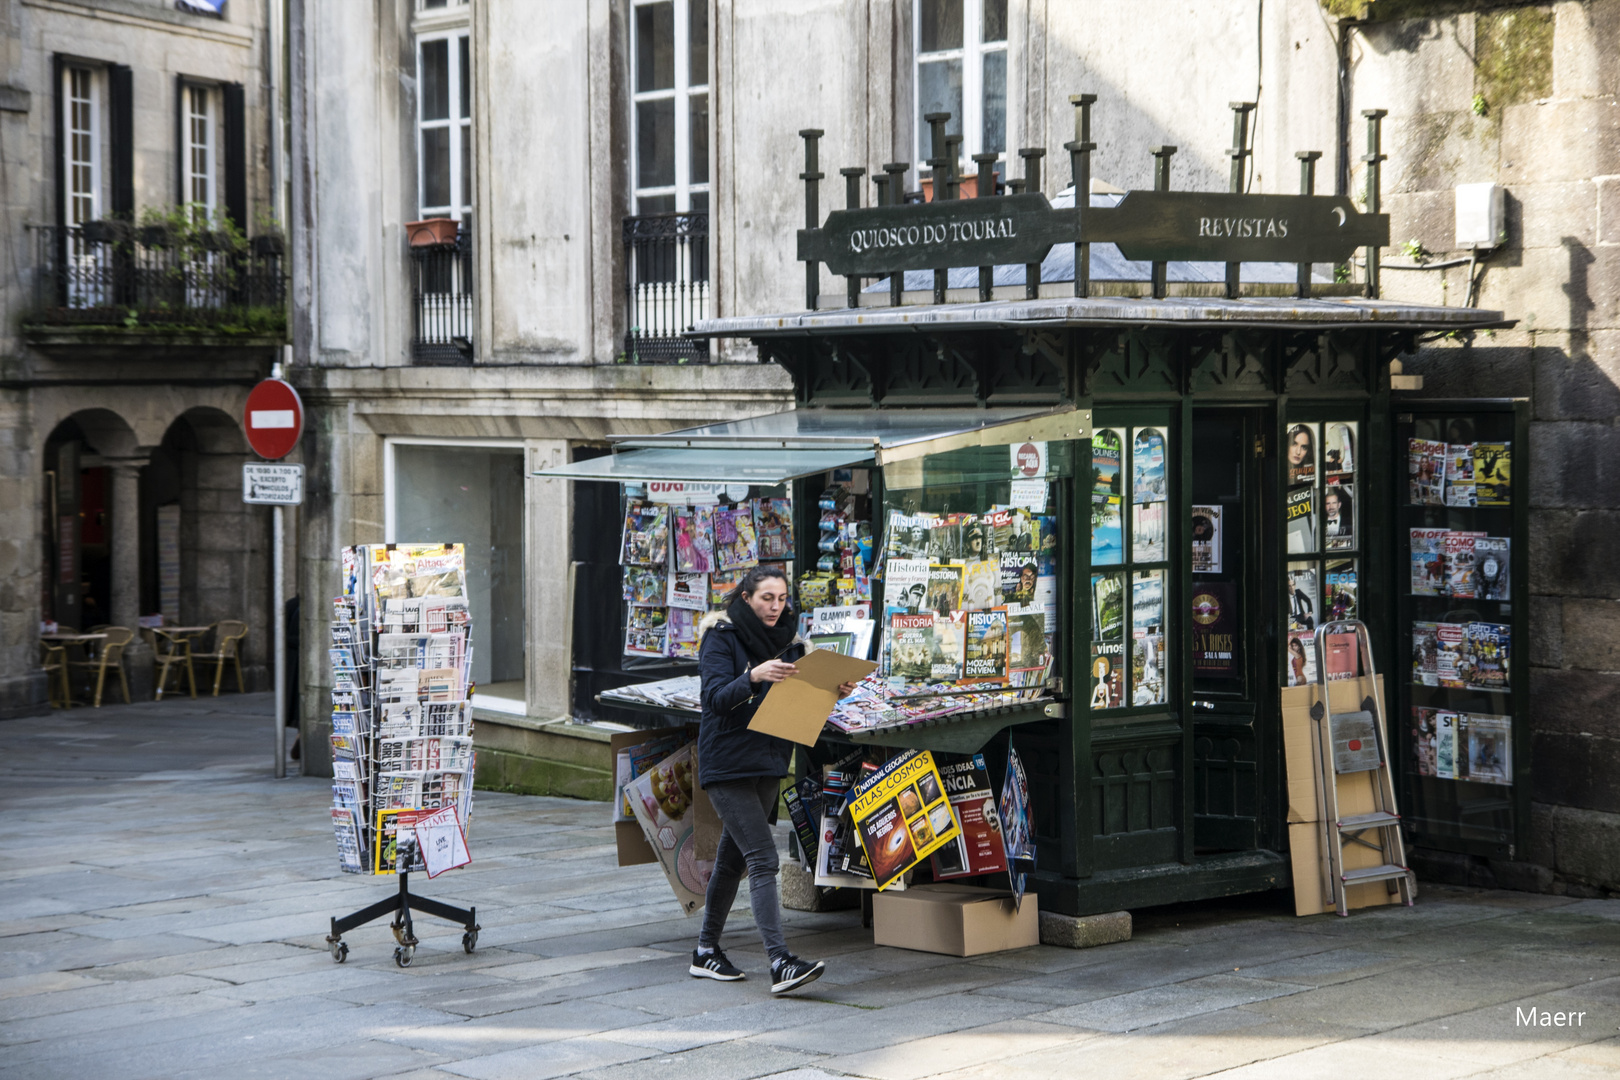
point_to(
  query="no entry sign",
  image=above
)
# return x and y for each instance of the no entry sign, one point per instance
(274, 419)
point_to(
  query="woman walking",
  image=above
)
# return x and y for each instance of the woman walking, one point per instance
(744, 649)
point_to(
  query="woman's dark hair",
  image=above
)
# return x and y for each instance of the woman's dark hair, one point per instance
(751, 581)
(1295, 643)
(1300, 429)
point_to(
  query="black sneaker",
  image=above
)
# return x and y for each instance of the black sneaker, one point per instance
(715, 966)
(790, 973)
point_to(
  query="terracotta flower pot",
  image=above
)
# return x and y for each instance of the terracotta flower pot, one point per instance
(434, 232)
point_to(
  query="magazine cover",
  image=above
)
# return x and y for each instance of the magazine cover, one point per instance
(1339, 601)
(773, 519)
(908, 535)
(1107, 534)
(688, 591)
(1107, 606)
(1341, 656)
(647, 633)
(1492, 580)
(1027, 649)
(945, 538)
(1428, 562)
(984, 658)
(1300, 515)
(1460, 563)
(1301, 669)
(950, 642)
(683, 633)
(1215, 629)
(1485, 656)
(1338, 517)
(911, 646)
(1426, 462)
(1449, 640)
(1019, 573)
(905, 584)
(1339, 450)
(1206, 539)
(1147, 466)
(1147, 667)
(1425, 654)
(1017, 835)
(1147, 532)
(981, 584)
(644, 586)
(694, 540)
(662, 802)
(902, 815)
(646, 534)
(1424, 729)
(978, 847)
(1107, 680)
(736, 544)
(1301, 594)
(722, 582)
(1460, 474)
(1445, 745)
(1107, 453)
(1301, 449)
(1490, 747)
(1493, 474)
(945, 588)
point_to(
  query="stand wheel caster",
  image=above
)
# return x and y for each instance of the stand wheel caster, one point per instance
(399, 932)
(404, 954)
(469, 941)
(339, 950)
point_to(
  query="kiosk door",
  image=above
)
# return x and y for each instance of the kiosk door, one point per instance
(1233, 705)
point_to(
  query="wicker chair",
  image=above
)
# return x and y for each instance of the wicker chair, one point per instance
(228, 637)
(57, 688)
(110, 657)
(173, 653)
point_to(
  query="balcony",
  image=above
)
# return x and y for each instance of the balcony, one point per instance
(111, 284)
(666, 260)
(442, 302)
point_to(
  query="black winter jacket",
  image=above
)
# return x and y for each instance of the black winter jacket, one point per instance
(727, 750)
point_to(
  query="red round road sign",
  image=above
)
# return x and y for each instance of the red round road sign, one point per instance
(273, 419)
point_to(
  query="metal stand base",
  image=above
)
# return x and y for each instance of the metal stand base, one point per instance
(400, 907)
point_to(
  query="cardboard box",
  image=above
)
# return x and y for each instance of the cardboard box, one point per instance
(633, 848)
(1305, 855)
(956, 920)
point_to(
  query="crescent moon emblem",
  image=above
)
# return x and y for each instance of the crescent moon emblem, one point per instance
(1339, 213)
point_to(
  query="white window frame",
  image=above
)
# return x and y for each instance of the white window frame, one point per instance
(459, 126)
(95, 80)
(211, 129)
(681, 93)
(975, 49)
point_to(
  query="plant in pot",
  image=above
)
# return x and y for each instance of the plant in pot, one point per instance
(105, 231)
(267, 245)
(432, 232)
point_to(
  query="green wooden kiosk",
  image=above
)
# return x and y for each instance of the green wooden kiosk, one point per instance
(1250, 449)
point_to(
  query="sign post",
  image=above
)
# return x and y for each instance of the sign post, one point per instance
(274, 422)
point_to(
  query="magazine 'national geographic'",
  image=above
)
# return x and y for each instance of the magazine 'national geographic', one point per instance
(902, 815)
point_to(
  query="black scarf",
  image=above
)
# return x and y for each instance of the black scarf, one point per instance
(759, 641)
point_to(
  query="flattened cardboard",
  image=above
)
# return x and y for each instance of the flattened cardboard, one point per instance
(797, 708)
(1305, 854)
(954, 920)
(633, 849)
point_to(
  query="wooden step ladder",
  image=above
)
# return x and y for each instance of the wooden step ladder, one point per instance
(1352, 742)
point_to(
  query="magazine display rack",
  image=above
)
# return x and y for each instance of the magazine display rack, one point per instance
(402, 748)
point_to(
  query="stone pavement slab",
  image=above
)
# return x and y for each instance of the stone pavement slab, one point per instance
(145, 932)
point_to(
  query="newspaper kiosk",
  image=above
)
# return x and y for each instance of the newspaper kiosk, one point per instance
(1247, 457)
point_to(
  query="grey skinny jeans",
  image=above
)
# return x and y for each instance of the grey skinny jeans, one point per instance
(747, 842)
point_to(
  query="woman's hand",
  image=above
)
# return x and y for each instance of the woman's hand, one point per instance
(846, 689)
(772, 671)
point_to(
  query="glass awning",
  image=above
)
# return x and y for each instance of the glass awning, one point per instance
(783, 446)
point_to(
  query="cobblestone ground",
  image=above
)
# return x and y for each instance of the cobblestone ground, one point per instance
(163, 904)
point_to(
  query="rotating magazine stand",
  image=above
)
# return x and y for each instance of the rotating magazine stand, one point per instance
(402, 747)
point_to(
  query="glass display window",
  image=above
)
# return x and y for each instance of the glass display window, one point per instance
(1322, 535)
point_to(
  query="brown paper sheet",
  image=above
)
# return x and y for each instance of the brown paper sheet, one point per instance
(797, 708)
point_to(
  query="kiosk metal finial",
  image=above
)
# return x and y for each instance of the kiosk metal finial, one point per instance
(1374, 159)
(852, 201)
(985, 187)
(937, 162)
(812, 211)
(1080, 169)
(897, 196)
(1307, 186)
(1240, 154)
(1032, 182)
(1161, 182)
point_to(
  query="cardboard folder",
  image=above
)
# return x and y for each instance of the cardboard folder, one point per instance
(797, 708)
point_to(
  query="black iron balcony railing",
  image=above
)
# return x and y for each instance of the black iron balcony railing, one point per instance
(666, 259)
(442, 302)
(139, 279)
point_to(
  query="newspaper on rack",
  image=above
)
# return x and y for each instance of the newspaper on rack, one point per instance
(681, 692)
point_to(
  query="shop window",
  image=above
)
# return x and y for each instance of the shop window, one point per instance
(961, 68)
(444, 124)
(670, 110)
(1322, 510)
(1130, 582)
(471, 495)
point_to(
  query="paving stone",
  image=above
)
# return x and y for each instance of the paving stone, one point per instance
(548, 1059)
(983, 1045)
(718, 1061)
(521, 1027)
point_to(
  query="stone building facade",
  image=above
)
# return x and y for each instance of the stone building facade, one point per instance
(127, 354)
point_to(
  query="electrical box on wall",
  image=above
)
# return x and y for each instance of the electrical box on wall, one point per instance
(1480, 221)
